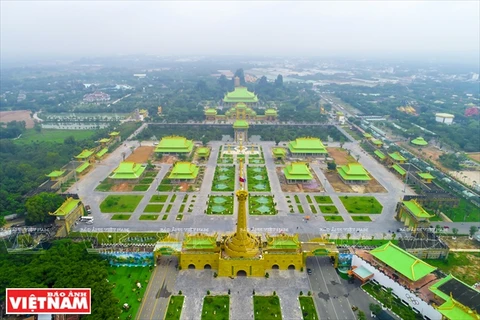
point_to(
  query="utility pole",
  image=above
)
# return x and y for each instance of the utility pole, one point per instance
(406, 178)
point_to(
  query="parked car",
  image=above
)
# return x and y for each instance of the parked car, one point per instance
(309, 271)
(88, 209)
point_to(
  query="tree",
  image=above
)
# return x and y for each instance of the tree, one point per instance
(279, 81)
(40, 205)
(394, 235)
(37, 127)
(375, 308)
(240, 74)
(348, 236)
(473, 230)
(331, 166)
(361, 315)
(455, 232)
(70, 140)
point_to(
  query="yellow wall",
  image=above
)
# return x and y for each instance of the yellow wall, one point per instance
(199, 260)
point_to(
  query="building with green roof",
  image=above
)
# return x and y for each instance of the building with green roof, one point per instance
(240, 94)
(210, 113)
(56, 174)
(455, 299)
(85, 155)
(66, 215)
(83, 167)
(279, 153)
(419, 142)
(398, 169)
(115, 136)
(101, 153)
(297, 172)
(409, 267)
(184, 171)
(271, 114)
(353, 173)
(413, 215)
(380, 155)
(240, 128)
(397, 157)
(377, 143)
(128, 171)
(203, 152)
(426, 177)
(367, 136)
(104, 141)
(174, 145)
(307, 146)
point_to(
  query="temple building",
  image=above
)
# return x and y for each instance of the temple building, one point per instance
(55, 175)
(279, 153)
(420, 142)
(240, 128)
(426, 177)
(174, 145)
(377, 143)
(184, 171)
(127, 172)
(66, 215)
(353, 173)
(203, 153)
(115, 136)
(455, 299)
(240, 94)
(307, 147)
(397, 157)
(100, 154)
(380, 155)
(412, 214)
(297, 172)
(85, 155)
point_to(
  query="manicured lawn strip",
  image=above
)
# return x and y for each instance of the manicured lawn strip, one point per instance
(254, 184)
(297, 200)
(309, 199)
(266, 308)
(361, 204)
(159, 198)
(465, 211)
(328, 209)
(104, 186)
(400, 309)
(126, 203)
(333, 218)
(151, 174)
(323, 199)
(121, 217)
(185, 198)
(141, 187)
(149, 217)
(308, 308)
(165, 216)
(256, 207)
(179, 217)
(53, 135)
(456, 265)
(216, 308)
(224, 179)
(146, 181)
(169, 207)
(361, 218)
(173, 198)
(182, 208)
(153, 208)
(165, 187)
(124, 281)
(175, 306)
(313, 209)
(227, 205)
(300, 209)
(120, 237)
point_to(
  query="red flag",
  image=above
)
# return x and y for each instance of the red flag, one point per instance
(241, 179)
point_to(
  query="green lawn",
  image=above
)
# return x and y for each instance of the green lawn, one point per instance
(361, 218)
(313, 209)
(126, 203)
(328, 209)
(261, 205)
(121, 237)
(175, 306)
(323, 199)
(124, 281)
(159, 198)
(266, 308)
(182, 208)
(333, 218)
(104, 186)
(169, 208)
(174, 197)
(165, 187)
(308, 308)
(309, 199)
(257, 178)
(216, 308)
(361, 204)
(457, 263)
(185, 198)
(297, 199)
(465, 211)
(222, 205)
(224, 179)
(53, 135)
(120, 217)
(300, 209)
(153, 208)
(354, 134)
(148, 217)
(141, 187)
(146, 180)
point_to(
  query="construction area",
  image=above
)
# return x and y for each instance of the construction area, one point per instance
(141, 155)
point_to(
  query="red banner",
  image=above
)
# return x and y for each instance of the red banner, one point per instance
(52, 301)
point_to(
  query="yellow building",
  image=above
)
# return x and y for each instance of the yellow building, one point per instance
(66, 215)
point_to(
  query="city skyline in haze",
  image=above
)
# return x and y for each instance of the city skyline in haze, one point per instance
(427, 29)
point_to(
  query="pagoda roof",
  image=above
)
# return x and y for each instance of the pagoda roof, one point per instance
(379, 154)
(199, 241)
(271, 112)
(56, 173)
(203, 151)
(399, 169)
(211, 111)
(66, 207)
(353, 171)
(297, 171)
(419, 141)
(452, 288)
(240, 124)
(397, 156)
(240, 94)
(82, 167)
(307, 145)
(175, 144)
(104, 140)
(114, 133)
(102, 152)
(403, 262)
(128, 170)
(417, 209)
(84, 154)
(279, 151)
(367, 135)
(377, 142)
(452, 309)
(426, 175)
(184, 170)
(283, 242)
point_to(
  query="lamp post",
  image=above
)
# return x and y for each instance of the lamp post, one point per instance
(406, 178)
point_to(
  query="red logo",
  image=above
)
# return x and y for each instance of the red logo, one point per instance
(53, 301)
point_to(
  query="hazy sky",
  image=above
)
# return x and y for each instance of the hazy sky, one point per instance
(348, 28)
